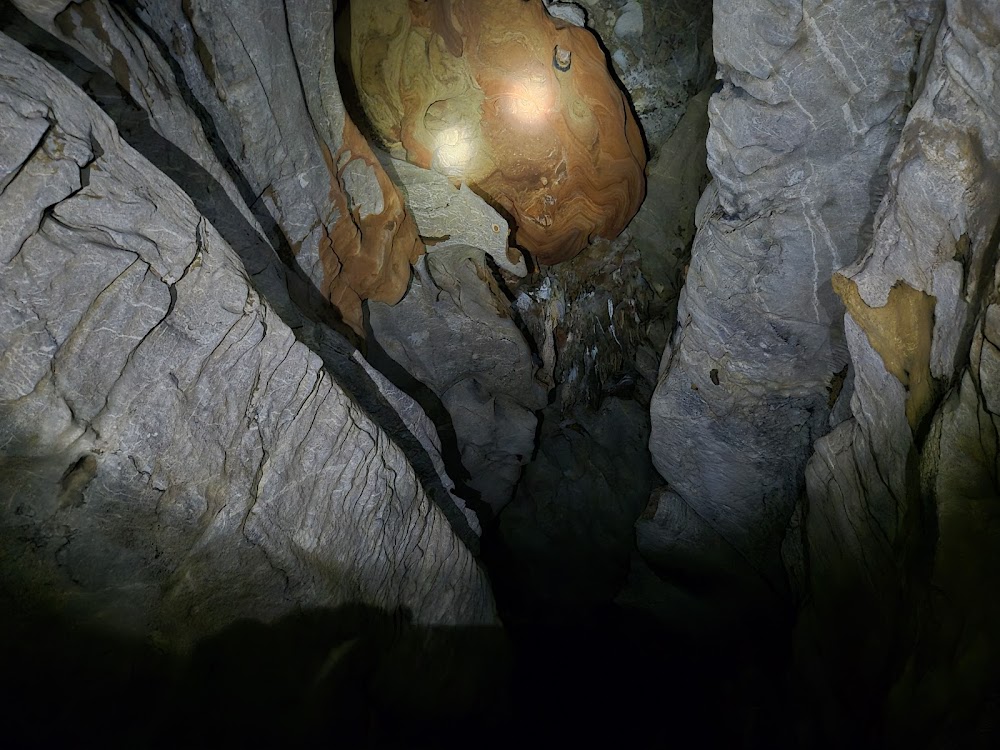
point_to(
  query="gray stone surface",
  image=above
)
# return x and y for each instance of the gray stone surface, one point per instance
(909, 483)
(629, 23)
(811, 103)
(257, 108)
(664, 227)
(115, 43)
(270, 141)
(569, 12)
(454, 333)
(172, 457)
(662, 54)
(447, 216)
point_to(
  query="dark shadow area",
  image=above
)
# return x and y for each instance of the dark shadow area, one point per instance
(354, 677)
(359, 677)
(271, 268)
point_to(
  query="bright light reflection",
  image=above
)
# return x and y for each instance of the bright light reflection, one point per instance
(454, 150)
(530, 101)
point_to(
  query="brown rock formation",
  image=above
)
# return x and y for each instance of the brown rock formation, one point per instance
(517, 104)
(365, 254)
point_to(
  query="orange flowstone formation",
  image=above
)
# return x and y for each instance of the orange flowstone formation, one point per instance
(515, 103)
(366, 256)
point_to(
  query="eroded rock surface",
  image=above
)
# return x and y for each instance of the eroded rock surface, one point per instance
(662, 53)
(172, 457)
(261, 112)
(454, 333)
(447, 216)
(514, 102)
(909, 483)
(746, 381)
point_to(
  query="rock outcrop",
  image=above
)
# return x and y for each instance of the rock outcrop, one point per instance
(662, 53)
(895, 550)
(275, 136)
(211, 501)
(811, 103)
(449, 216)
(516, 103)
(454, 332)
(172, 458)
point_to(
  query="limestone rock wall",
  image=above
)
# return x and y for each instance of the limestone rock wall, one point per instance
(173, 458)
(897, 540)
(249, 92)
(812, 98)
(454, 333)
(661, 52)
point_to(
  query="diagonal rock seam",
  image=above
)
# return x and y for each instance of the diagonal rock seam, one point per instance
(370, 388)
(205, 253)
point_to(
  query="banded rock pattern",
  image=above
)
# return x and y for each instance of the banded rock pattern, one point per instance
(519, 105)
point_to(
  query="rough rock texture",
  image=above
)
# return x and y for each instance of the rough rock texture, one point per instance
(518, 104)
(600, 322)
(897, 540)
(275, 136)
(811, 102)
(587, 317)
(172, 457)
(664, 227)
(662, 53)
(447, 216)
(455, 334)
(569, 12)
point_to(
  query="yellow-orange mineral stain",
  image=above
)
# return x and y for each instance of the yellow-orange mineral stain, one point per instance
(519, 105)
(365, 257)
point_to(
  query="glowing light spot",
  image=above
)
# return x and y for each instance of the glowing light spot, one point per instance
(529, 101)
(454, 151)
